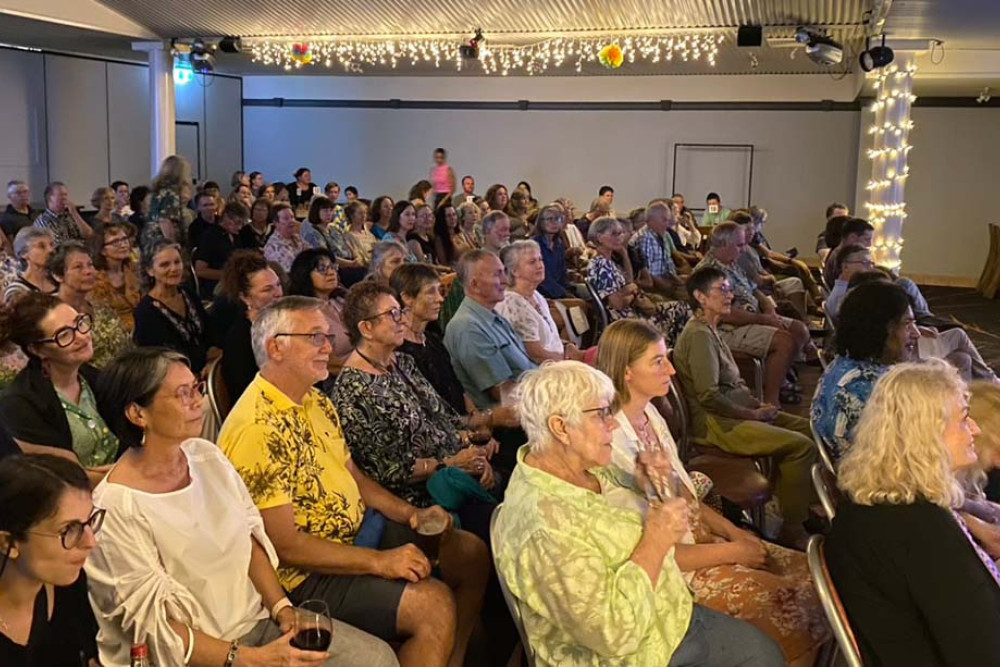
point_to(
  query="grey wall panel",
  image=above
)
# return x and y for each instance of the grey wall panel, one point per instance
(22, 117)
(76, 99)
(223, 131)
(189, 103)
(128, 121)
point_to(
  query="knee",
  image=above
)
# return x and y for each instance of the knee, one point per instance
(427, 606)
(782, 343)
(799, 332)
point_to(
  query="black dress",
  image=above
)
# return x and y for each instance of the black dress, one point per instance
(915, 590)
(434, 363)
(65, 640)
(191, 334)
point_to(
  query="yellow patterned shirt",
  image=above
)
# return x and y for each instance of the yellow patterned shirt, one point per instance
(294, 454)
(565, 553)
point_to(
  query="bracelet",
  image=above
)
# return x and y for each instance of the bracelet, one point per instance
(278, 606)
(233, 650)
(190, 651)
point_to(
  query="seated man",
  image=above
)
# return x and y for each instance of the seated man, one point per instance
(284, 438)
(19, 213)
(726, 414)
(61, 217)
(833, 211)
(715, 212)
(487, 354)
(496, 231)
(656, 250)
(849, 261)
(217, 243)
(790, 289)
(752, 326)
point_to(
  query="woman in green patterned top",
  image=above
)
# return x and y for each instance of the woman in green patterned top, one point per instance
(52, 406)
(595, 578)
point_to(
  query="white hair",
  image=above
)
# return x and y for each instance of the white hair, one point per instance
(559, 388)
(512, 254)
(492, 218)
(277, 318)
(600, 226)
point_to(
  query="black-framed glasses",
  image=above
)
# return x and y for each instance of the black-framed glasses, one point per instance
(190, 393)
(64, 337)
(72, 534)
(395, 313)
(123, 240)
(325, 268)
(605, 412)
(315, 339)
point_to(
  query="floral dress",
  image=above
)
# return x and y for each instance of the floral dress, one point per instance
(165, 204)
(390, 420)
(122, 300)
(669, 317)
(109, 335)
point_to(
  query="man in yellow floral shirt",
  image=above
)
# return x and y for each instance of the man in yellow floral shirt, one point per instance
(284, 438)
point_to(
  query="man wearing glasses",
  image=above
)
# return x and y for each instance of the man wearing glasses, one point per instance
(284, 438)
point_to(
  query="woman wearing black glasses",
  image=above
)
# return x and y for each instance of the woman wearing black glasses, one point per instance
(53, 405)
(47, 527)
(184, 563)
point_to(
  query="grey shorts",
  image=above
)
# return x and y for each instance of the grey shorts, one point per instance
(752, 339)
(365, 601)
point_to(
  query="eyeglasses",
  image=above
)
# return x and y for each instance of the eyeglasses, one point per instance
(325, 268)
(605, 413)
(315, 339)
(190, 393)
(72, 534)
(395, 313)
(119, 241)
(64, 337)
(724, 288)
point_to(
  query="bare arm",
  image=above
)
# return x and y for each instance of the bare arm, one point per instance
(203, 271)
(394, 508)
(538, 354)
(497, 392)
(81, 225)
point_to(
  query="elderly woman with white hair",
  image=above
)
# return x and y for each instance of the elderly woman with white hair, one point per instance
(387, 256)
(33, 247)
(526, 309)
(917, 588)
(595, 577)
(617, 288)
(469, 216)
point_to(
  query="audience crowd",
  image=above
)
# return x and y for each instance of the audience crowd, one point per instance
(218, 406)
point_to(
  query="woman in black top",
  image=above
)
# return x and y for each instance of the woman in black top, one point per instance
(917, 588)
(47, 527)
(249, 281)
(170, 315)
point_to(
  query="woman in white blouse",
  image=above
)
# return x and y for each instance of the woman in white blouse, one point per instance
(526, 309)
(728, 569)
(184, 564)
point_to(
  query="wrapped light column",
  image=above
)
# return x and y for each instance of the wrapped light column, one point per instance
(890, 132)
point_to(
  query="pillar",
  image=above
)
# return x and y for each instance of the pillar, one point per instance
(163, 117)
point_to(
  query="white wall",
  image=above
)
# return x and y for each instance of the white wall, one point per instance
(87, 122)
(803, 160)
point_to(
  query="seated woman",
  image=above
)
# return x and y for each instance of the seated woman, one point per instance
(469, 216)
(103, 200)
(72, 268)
(117, 285)
(445, 232)
(526, 309)
(981, 514)
(517, 210)
(594, 577)
(248, 280)
(47, 528)
(257, 232)
(322, 233)
(916, 587)
(875, 330)
(401, 223)
(170, 315)
(314, 273)
(549, 235)
(378, 216)
(387, 256)
(728, 569)
(616, 286)
(358, 237)
(52, 405)
(727, 415)
(32, 249)
(419, 238)
(399, 430)
(198, 590)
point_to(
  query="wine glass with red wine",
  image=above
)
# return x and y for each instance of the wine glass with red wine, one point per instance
(313, 627)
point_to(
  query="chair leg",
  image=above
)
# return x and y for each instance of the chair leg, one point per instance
(758, 376)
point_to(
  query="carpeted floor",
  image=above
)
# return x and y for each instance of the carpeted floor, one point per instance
(980, 317)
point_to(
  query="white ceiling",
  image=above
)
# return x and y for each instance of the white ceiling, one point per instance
(961, 24)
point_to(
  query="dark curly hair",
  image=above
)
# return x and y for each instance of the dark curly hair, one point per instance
(237, 271)
(20, 320)
(868, 312)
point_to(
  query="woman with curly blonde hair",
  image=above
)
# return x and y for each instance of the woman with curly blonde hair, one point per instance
(917, 588)
(981, 514)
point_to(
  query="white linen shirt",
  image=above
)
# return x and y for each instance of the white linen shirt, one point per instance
(531, 319)
(182, 555)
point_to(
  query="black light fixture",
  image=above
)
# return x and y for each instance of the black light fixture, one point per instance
(230, 44)
(874, 58)
(470, 50)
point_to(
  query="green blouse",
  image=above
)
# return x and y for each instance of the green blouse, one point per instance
(565, 553)
(94, 444)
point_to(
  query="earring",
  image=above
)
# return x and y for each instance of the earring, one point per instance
(142, 443)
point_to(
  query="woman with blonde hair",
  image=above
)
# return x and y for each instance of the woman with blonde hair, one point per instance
(917, 588)
(590, 562)
(728, 569)
(981, 514)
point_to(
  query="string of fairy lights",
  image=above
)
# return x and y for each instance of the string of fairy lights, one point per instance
(889, 154)
(538, 57)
